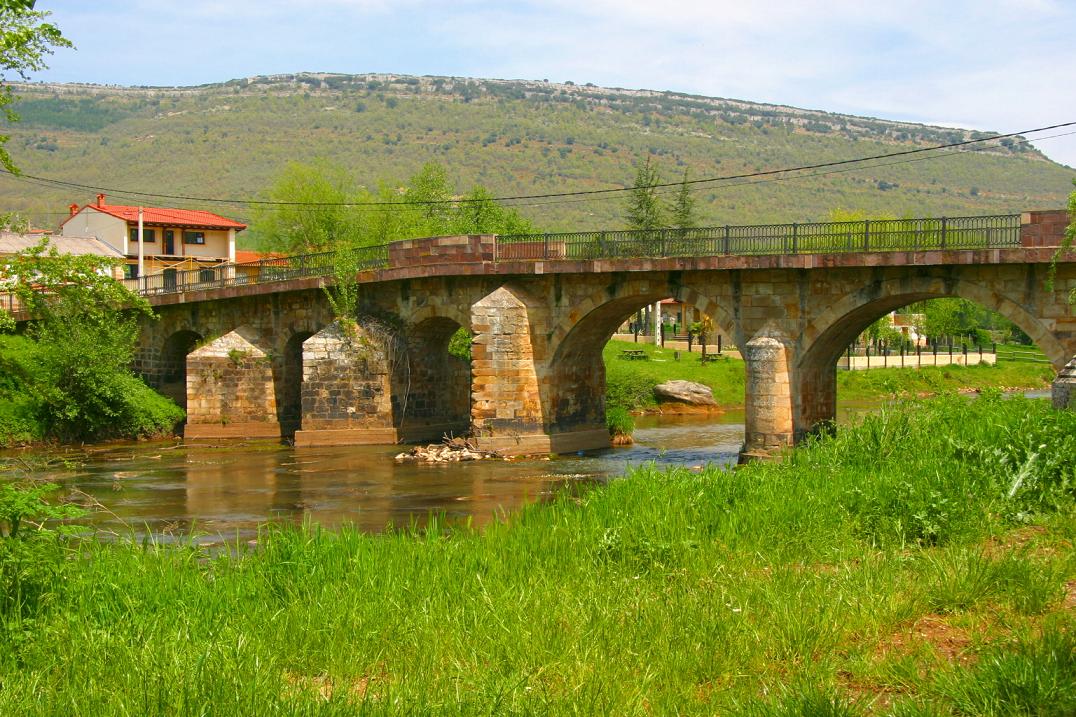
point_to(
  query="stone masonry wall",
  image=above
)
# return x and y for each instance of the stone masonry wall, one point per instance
(346, 382)
(504, 383)
(230, 389)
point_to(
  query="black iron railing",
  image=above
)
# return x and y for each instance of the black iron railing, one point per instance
(263, 271)
(875, 235)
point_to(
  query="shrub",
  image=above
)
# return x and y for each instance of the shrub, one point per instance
(619, 421)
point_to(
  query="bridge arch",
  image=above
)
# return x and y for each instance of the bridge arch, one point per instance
(172, 379)
(433, 395)
(829, 333)
(574, 395)
(289, 381)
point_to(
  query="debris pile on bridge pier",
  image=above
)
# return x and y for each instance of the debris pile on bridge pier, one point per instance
(451, 450)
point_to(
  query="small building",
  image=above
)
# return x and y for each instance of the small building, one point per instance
(679, 314)
(173, 240)
(12, 243)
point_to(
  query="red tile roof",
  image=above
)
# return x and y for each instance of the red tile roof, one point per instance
(169, 217)
(242, 256)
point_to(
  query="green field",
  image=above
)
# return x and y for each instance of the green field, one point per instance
(920, 563)
(630, 384)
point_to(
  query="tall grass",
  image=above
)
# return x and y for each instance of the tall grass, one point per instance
(794, 588)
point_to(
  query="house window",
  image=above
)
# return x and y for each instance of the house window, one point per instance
(194, 237)
(207, 275)
(130, 271)
(148, 235)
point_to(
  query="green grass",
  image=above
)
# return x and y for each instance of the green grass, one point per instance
(630, 383)
(887, 382)
(899, 568)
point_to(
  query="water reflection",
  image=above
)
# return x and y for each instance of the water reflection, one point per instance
(223, 493)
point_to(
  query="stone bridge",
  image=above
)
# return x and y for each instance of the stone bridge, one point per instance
(264, 357)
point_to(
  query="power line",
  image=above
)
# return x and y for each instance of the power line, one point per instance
(552, 195)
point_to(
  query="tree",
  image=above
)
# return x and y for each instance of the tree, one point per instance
(313, 215)
(1067, 245)
(644, 210)
(1070, 235)
(83, 330)
(329, 211)
(25, 39)
(682, 208)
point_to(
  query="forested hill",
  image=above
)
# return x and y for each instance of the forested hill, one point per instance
(514, 137)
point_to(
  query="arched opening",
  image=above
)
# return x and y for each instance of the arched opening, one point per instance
(895, 331)
(173, 371)
(433, 395)
(576, 394)
(290, 384)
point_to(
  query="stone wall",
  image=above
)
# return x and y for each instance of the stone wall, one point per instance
(230, 389)
(537, 378)
(505, 398)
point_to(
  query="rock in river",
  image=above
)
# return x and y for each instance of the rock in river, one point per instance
(689, 392)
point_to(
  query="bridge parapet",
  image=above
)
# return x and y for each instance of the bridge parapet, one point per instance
(464, 249)
(1043, 228)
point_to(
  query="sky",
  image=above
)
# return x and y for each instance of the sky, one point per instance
(992, 65)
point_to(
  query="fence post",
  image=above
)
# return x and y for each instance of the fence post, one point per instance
(719, 344)
(661, 329)
(866, 235)
(795, 237)
(727, 239)
(944, 230)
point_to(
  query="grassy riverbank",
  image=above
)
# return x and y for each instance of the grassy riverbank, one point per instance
(630, 384)
(918, 564)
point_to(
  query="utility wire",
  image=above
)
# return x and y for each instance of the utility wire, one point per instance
(405, 206)
(552, 195)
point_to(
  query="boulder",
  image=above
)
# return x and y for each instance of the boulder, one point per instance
(689, 392)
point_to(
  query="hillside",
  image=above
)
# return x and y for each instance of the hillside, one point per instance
(515, 137)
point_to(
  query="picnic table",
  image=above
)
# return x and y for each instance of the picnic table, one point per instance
(633, 354)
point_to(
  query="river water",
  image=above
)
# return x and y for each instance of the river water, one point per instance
(223, 493)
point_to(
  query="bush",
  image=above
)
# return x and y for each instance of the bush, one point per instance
(619, 421)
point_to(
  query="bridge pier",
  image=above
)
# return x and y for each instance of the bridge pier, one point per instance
(768, 423)
(346, 389)
(506, 403)
(230, 389)
(1063, 389)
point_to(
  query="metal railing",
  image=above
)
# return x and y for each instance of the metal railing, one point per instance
(263, 271)
(869, 235)
(874, 235)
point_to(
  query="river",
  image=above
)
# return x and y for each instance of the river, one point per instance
(223, 493)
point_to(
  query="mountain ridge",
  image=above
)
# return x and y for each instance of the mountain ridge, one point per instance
(513, 136)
